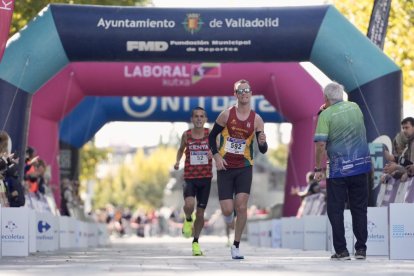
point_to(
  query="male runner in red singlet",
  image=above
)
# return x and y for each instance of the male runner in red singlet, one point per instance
(237, 127)
(197, 175)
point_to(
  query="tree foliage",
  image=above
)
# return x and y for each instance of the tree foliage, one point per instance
(399, 42)
(90, 157)
(25, 10)
(139, 184)
(278, 157)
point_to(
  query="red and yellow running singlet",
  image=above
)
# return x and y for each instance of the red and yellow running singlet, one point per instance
(236, 140)
(197, 163)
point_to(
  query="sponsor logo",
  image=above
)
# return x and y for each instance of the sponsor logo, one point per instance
(398, 231)
(373, 234)
(11, 237)
(43, 226)
(6, 5)
(193, 23)
(147, 46)
(205, 70)
(172, 75)
(144, 107)
(11, 226)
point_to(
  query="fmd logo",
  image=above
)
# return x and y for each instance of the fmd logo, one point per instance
(147, 46)
(193, 23)
(43, 226)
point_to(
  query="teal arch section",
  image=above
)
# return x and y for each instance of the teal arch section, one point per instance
(34, 55)
(344, 54)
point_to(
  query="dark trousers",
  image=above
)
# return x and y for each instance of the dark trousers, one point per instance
(355, 189)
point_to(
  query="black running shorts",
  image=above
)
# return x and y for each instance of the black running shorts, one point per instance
(198, 188)
(234, 181)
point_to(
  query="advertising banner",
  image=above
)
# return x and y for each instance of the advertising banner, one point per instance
(276, 233)
(15, 231)
(377, 243)
(401, 231)
(203, 34)
(378, 22)
(6, 14)
(315, 232)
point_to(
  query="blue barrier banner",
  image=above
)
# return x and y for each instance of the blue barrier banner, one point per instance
(142, 34)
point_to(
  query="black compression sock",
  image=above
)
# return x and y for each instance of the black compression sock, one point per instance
(236, 244)
(195, 239)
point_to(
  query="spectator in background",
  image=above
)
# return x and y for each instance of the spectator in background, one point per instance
(30, 175)
(67, 200)
(5, 164)
(401, 162)
(312, 187)
(9, 173)
(40, 171)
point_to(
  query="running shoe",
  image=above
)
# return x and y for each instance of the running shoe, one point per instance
(360, 254)
(235, 253)
(344, 256)
(187, 229)
(196, 249)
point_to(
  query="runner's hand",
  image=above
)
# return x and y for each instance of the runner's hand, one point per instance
(220, 162)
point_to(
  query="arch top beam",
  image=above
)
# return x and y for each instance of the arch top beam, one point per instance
(65, 33)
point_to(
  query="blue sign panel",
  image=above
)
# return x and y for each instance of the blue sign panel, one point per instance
(97, 111)
(142, 34)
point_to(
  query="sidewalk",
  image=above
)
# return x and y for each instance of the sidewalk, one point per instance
(172, 256)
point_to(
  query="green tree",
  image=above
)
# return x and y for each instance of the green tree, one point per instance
(399, 42)
(278, 157)
(25, 10)
(90, 157)
(139, 184)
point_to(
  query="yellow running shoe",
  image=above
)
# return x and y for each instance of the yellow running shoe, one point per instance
(196, 249)
(187, 229)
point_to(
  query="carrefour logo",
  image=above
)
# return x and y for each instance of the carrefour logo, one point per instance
(43, 226)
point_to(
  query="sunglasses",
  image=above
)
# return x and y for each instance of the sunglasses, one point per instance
(240, 91)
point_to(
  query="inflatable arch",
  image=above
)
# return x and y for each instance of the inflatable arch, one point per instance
(70, 51)
(97, 111)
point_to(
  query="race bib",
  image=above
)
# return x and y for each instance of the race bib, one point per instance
(236, 146)
(198, 157)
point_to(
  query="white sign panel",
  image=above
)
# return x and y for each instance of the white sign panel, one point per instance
(315, 232)
(81, 234)
(297, 233)
(46, 232)
(67, 232)
(265, 227)
(253, 233)
(32, 231)
(401, 231)
(103, 236)
(276, 233)
(15, 231)
(377, 243)
(92, 234)
(287, 226)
